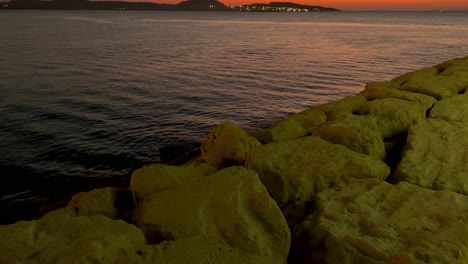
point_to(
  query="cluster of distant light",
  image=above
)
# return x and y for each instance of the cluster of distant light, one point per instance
(250, 8)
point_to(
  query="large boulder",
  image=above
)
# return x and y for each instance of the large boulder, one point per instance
(452, 109)
(455, 67)
(382, 90)
(394, 116)
(371, 221)
(154, 178)
(435, 156)
(357, 133)
(293, 171)
(229, 212)
(227, 145)
(100, 201)
(65, 239)
(428, 81)
(295, 126)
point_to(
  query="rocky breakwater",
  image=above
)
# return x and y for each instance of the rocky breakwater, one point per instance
(379, 177)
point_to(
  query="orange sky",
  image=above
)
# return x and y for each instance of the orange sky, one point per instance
(397, 5)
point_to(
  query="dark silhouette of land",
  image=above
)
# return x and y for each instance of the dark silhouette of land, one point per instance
(190, 5)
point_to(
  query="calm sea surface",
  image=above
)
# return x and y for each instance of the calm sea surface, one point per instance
(88, 96)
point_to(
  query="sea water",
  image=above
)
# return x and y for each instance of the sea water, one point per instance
(86, 97)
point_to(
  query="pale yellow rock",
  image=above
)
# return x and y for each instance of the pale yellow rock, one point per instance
(452, 109)
(293, 171)
(203, 250)
(303, 123)
(64, 239)
(231, 206)
(227, 145)
(455, 67)
(370, 221)
(357, 133)
(295, 126)
(394, 116)
(154, 178)
(436, 156)
(347, 105)
(382, 90)
(286, 129)
(428, 81)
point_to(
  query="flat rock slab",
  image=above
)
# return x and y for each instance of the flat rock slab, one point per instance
(357, 133)
(295, 126)
(229, 210)
(452, 109)
(436, 156)
(65, 239)
(153, 178)
(394, 116)
(295, 170)
(428, 81)
(456, 67)
(382, 90)
(370, 221)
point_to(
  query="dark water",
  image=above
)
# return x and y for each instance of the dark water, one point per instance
(88, 96)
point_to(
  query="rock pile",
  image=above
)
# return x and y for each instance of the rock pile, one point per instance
(379, 177)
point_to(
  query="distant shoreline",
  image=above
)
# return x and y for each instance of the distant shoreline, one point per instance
(190, 5)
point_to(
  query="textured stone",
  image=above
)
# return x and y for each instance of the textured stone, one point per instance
(357, 133)
(65, 239)
(154, 178)
(382, 90)
(436, 156)
(347, 105)
(295, 170)
(394, 116)
(295, 126)
(227, 145)
(452, 109)
(428, 81)
(231, 205)
(370, 221)
(455, 67)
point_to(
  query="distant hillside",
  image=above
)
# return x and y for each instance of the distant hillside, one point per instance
(201, 5)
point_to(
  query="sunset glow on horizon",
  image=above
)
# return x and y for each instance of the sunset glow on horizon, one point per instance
(361, 5)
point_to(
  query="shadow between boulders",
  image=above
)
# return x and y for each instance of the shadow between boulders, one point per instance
(394, 148)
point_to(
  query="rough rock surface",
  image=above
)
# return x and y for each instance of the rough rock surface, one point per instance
(295, 170)
(65, 239)
(436, 156)
(357, 133)
(394, 116)
(347, 105)
(293, 127)
(154, 178)
(452, 109)
(455, 67)
(231, 206)
(226, 145)
(382, 90)
(370, 221)
(428, 81)
(95, 202)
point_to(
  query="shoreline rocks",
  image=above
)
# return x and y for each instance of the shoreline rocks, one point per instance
(379, 177)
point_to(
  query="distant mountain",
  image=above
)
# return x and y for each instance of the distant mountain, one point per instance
(201, 5)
